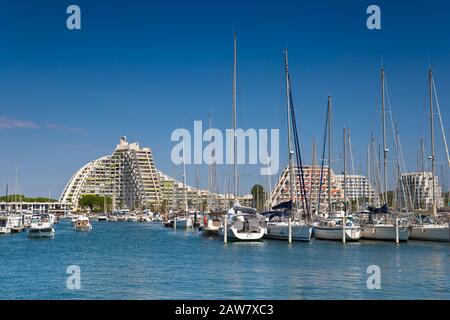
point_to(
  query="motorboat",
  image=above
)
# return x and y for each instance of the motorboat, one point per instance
(211, 224)
(41, 227)
(132, 217)
(185, 222)
(83, 224)
(102, 217)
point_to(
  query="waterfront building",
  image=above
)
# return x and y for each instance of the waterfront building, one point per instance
(35, 207)
(312, 175)
(416, 189)
(130, 178)
(358, 187)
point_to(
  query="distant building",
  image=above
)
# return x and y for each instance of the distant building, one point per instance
(312, 174)
(358, 187)
(35, 207)
(416, 189)
(129, 177)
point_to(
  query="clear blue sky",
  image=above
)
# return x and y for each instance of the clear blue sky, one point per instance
(143, 68)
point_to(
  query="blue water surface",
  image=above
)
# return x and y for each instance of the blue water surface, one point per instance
(146, 261)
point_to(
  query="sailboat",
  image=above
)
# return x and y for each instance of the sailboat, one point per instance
(426, 227)
(381, 225)
(185, 222)
(340, 225)
(280, 226)
(243, 223)
(212, 221)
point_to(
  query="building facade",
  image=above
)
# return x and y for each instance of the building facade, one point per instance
(416, 190)
(314, 188)
(129, 177)
(35, 207)
(358, 187)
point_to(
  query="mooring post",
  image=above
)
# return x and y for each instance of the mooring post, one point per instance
(344, 222)
(225, 224)
(290, 229)
(397, 240)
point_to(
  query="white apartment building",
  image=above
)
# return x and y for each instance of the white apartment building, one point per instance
(417, 189)
(130, 178)
(358, 187)
(313, 187)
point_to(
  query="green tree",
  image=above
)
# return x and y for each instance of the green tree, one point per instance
(22, 198)
(164, 206)
(204, 205)
(259, 196)
(390, 198)
(94, 202)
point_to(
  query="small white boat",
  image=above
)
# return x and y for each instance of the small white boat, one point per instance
(183, 223)
(102, 217)
(41, 227)
(73, 220)
(244, 226)
(5, 227)
(211, 224)
(132, 217)
(83, 224)
(53, 219)
(143, 218)
(333, 230)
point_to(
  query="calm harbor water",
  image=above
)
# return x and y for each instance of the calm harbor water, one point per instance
(146, 261)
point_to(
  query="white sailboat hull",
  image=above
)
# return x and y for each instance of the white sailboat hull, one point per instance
(5, 230)
(234, 235)
(430, 232)
(330, 233)
(280, 230)
(183, 223)
(41, 232)
(385, 232)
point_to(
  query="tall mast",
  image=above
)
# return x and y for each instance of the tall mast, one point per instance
(422, 155)
(329, 153)
(197, 185)
(385, 150)
(379, 175)
(345, 165)
(210, 188)
(374, 171)
(368, 176)
(312, 174)
(184, 182)
(290, 150)
(433, 165)
(234, 120)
